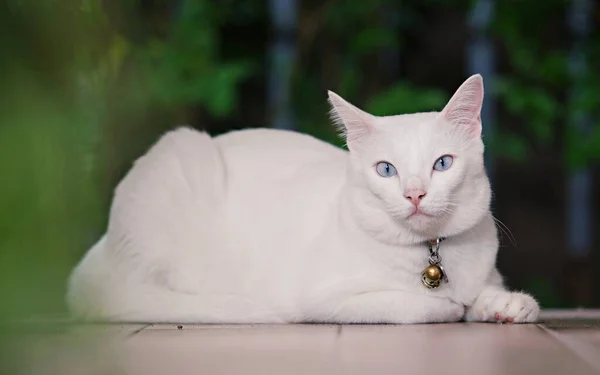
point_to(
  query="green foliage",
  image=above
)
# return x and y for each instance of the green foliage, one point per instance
(49, 196)
(406, 98)
(70, 81)
(372, 39)
(186, 69)
(361, 32)
(508, 145)
(533, 103)
(543, 290)
(539, 82)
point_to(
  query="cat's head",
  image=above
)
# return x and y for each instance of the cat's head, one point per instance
(424, 172)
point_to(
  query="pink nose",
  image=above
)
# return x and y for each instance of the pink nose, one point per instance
(415, 196)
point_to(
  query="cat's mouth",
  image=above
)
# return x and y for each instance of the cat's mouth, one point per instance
(418, 212)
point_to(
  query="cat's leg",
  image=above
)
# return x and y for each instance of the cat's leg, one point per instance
(395, 307)
(496, 304)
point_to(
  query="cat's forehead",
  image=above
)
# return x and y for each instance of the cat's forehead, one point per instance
(414, 132)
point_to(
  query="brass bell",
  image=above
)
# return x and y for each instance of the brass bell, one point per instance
(432, 276)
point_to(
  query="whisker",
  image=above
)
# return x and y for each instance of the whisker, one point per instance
(503, 228)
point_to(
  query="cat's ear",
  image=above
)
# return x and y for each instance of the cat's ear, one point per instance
(354, 124)
(464, 108)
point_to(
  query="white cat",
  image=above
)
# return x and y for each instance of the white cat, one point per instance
(269, 226)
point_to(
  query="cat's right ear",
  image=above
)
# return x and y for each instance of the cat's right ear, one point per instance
(464, 108)
(354, 124)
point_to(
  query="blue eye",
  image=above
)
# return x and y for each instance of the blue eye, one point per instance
(385, 169)
(443, 163)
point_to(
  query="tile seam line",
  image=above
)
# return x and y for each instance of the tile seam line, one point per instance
(138, 330)
(574, 347)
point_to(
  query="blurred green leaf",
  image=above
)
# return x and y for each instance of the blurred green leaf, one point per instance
(406, 98)
(535, 106)
(350, 80)
(543, 290)
(371, 39)
(220, 89)
(508, 145)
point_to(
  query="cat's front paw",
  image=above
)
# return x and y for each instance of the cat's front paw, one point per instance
(503, 306)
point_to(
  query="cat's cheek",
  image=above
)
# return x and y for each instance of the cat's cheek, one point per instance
(446, 183)
(386, 189)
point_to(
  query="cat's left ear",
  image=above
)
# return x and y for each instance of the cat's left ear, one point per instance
(354, 124)
(464, 108)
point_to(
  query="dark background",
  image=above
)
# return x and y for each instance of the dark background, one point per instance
(87, 86)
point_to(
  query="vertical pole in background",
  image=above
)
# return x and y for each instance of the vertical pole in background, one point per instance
(283, 55)
(481, 59)
(390, 55)
(175, 9)
(578, 198)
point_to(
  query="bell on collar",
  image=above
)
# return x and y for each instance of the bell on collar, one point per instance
(432, 276)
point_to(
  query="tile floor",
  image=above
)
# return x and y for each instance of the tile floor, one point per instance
(565, 342)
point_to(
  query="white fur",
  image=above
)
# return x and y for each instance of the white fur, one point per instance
(267, 226)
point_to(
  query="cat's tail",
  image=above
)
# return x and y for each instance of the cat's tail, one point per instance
(150, 304)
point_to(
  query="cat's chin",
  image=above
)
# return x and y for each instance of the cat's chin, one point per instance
(424, 223)
(421, 220)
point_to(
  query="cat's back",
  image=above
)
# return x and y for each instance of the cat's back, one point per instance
(278, 180)
(264, 163)
(263, 145)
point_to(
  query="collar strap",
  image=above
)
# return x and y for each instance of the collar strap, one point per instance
(436, 241)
